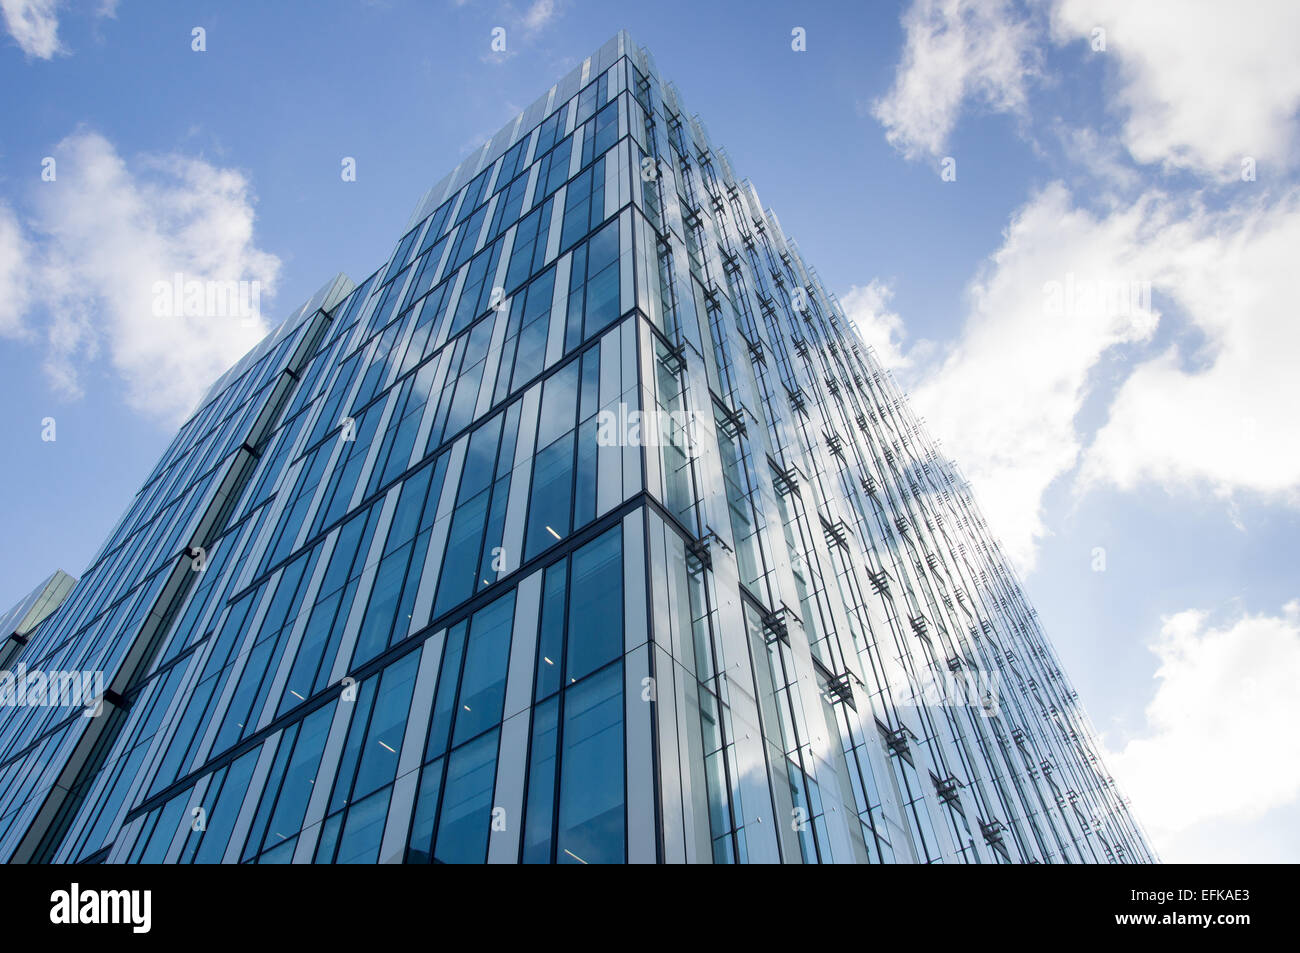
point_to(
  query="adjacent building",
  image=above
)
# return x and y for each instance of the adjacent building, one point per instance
(31, 611)
(584, 530)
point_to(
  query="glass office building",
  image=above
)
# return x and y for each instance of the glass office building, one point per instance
(584, 530)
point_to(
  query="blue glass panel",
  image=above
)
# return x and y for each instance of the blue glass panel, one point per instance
(595, 605)
(552, 490)
(539, 816)
(383, 744)
(444, 707)
(420, 841)
(363, 831)
(591, 815)
(550, 647)
(487, 657)
(465, 819)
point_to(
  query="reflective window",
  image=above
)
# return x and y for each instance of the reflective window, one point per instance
(465, 818)
(591, 824)
(595, 606)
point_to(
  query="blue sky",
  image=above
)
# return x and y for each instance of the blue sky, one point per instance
(1139, 456)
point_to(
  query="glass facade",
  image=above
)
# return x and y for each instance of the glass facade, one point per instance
(582, 531)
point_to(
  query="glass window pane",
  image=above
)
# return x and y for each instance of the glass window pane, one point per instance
(552, 491)
(300, 779)
(483, 686)
(387, 726)
(382, 609)
(595, 606)
(363, 832)
(550, 646)
(444, 708)
(226, 810)
(461, 560)
(426, 811)
(541, 784)
(466, 816)
(352, 748)
(559, 404)
(591, 821)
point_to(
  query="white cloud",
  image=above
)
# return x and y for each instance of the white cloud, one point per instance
(881, 329)
(1230, 422)
(105, 234)
(34, 24)
(1220, 744)
(956, 52)
(1004, 398)
(1214, 409)
(1201, 83)
(13, 279)
(540, 13)
(1100, 157)
(526, 23)
(1198, 86)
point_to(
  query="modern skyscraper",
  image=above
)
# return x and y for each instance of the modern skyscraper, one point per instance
(583, 530)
